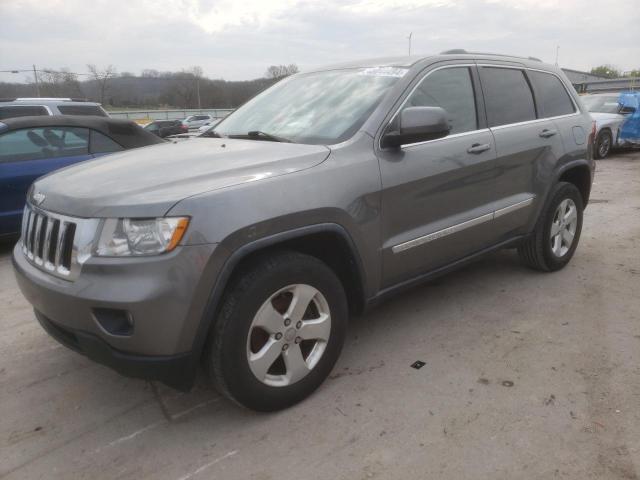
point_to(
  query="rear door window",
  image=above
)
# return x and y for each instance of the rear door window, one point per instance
(102, 144)
(508, 97)
(12, 111)
(551, 95)
(81, 110)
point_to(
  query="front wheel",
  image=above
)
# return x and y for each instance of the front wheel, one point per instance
(556, 236)
(279, 333)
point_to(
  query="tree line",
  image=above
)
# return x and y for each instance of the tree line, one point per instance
(609, 71)
(187, 88)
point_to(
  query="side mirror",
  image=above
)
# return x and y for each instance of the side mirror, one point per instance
(627, 109)
(418, 124)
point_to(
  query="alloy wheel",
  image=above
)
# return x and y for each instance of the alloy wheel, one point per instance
(563, 227)
(288, 335)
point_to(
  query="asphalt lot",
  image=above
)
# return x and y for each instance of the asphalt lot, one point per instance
(527, 375)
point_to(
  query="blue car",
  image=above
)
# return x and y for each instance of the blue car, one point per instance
(34, 146)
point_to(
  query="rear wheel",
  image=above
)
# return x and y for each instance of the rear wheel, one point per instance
(557, 233)
(279, 333)
(603, 144)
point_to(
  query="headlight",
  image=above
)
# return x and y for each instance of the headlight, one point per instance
(140, 236)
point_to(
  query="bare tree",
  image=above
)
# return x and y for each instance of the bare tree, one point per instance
(186, 86)
(102, 77)
(59, 83)
(281, 71)
(150, 73)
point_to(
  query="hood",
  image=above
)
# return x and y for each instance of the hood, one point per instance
(148, 181)
(602, 118)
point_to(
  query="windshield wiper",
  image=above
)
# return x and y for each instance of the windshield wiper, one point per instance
(211, 133)
(260, 135)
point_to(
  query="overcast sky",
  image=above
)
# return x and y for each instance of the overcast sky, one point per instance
(239, 39)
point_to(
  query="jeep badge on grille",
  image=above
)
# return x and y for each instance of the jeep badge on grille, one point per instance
(38, 198)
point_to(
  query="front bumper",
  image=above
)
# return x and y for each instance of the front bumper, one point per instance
(176, 371)
(164, 296)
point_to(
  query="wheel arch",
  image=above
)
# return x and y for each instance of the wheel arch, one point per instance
(330, 242)
(579, 174)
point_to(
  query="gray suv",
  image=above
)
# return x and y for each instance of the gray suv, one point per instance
(248, 250)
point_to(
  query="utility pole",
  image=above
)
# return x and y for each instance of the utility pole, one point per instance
(35, 76)
(409, 37)
(198, 92)
(557, 53)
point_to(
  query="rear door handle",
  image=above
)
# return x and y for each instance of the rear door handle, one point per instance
(546, 133)
(478, 148)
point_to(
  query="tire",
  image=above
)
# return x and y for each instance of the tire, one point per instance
(603, 144)
(547, 248)
(252, 325)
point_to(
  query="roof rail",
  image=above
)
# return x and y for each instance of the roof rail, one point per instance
(462, 51)
(454, 51)
(45, 99)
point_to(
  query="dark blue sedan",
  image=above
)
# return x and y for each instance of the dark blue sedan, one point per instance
(34, 146)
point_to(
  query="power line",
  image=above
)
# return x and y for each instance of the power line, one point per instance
(43, 70)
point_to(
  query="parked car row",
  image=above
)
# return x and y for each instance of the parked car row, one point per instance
(194, 123)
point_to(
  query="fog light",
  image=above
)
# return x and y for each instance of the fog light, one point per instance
(113, 321)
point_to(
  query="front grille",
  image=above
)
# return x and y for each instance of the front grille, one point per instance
(47, 240)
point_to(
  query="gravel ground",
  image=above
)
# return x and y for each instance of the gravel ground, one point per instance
(526, 375)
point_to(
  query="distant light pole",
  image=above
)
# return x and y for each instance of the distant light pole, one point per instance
(557, 53)
(409, 37)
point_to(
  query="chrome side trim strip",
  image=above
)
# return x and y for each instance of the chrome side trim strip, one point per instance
(513, 208)
(401, 247)
(442, 233)
(448, 137)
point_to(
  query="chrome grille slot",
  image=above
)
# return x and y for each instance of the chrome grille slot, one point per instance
(48, 241)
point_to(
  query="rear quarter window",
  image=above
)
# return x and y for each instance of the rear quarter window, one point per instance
(102, 144)
(81, 110)
(508, 97)
(12, 111)
(551, 95)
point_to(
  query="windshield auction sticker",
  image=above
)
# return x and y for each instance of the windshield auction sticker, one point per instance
(383, 72)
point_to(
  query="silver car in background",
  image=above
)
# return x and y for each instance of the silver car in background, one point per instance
(196, 121)
(609, 115)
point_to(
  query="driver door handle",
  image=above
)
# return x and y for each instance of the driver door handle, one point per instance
(478, 148)
(546, 133)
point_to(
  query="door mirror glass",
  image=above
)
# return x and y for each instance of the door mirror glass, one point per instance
(418, 124)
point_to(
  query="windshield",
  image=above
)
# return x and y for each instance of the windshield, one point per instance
(602, 104)
(317, 108)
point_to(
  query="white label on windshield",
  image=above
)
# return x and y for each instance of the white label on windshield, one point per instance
(383, 72)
